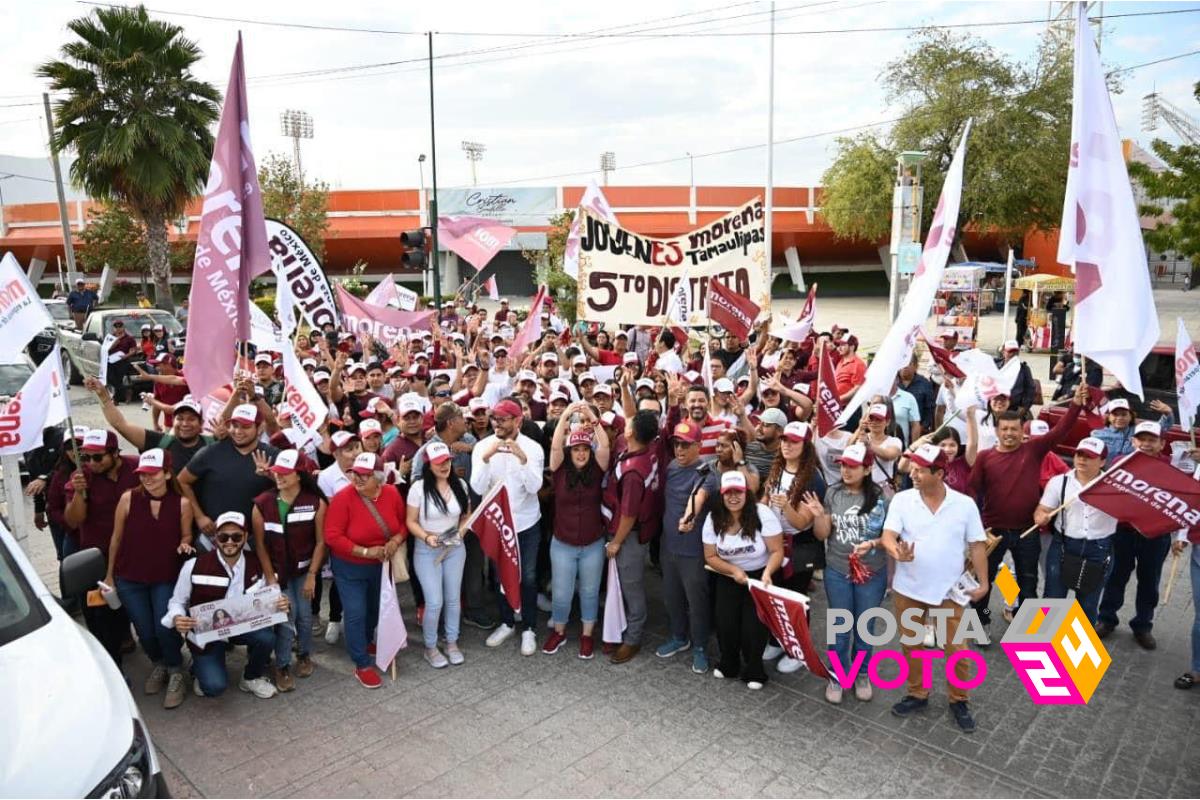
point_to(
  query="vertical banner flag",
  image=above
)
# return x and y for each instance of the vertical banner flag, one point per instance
(300, 279)
(614, 607)
(309, 409)
(681, 301)
(799, 330)
(531, 330)
(1101, 234)
(40, 403)
(1187, 377)
(734, 313)
(231, 247)
(1149, 494)
(897, 345)
(492, 522)
(785, 613)
(493, 291)
(22, 314)
(106, 359)
(826, 396)
(475, 239)
(391, 636)
(594, 200)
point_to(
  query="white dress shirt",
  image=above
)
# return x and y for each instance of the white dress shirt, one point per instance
(181, 597)
(939, 542)
(523, 481)
(1079, 520)
(332, 480)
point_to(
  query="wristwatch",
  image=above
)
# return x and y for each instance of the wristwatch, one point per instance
(741, 463)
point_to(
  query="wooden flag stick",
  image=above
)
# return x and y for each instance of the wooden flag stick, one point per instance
(392, 667)
(1176, 560)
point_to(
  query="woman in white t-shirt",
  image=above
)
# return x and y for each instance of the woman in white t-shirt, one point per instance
(741, 541)
(437, 506)
(885, 449)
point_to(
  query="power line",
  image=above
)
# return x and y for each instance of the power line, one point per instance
(6, 174)
(1151, 63)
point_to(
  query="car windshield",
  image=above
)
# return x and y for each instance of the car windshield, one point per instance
(20, 611)
(134, 321)
(13, 377)
(59, 311)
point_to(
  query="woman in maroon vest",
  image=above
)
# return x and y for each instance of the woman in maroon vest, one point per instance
(289, 537)
(577, 548)
(152, 531)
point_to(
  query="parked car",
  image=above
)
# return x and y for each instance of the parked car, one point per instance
(1158, 383)
(82, 348)
(70, 727)
(43, 343)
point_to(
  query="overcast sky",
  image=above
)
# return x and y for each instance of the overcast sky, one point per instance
(547, 107)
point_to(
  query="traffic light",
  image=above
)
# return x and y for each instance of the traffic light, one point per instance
(416, 244)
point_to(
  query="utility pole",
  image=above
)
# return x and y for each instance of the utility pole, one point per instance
(768, 221)
(474, 151)
(433, 215)
(68, 245)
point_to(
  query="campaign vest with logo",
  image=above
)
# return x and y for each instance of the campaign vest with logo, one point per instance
(210, 581)
(643, 464)
(150, 545)
(290, 542)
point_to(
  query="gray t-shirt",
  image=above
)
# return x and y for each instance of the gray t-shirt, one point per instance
(760, 457)
(850, 528)
(680, 483)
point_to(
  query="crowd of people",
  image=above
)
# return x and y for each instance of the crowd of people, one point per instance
(702, 464)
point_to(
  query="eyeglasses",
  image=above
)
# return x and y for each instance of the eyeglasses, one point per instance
(93, 457)
(226, 538)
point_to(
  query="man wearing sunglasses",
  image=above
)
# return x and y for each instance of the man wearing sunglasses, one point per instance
(228, 571)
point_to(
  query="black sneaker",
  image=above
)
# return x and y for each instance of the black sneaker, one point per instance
(962, 716)
(909, 705)
(482, 623)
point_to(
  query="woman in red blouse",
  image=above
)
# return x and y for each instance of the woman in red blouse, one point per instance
(364, 527)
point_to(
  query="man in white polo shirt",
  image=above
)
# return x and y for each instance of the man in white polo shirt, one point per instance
(927, 530)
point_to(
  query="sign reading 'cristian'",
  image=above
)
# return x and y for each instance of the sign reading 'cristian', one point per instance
(629, 279)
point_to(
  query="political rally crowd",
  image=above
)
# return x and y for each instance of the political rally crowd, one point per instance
(625, 450)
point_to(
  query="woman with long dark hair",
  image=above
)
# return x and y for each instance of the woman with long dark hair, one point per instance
(885, 447)
(438, 505)
(850, 522)
(152, 531)
(289, 538)
(577, 548)
(741, 541)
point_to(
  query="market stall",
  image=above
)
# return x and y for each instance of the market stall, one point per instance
(1042, 286)
(956, 306)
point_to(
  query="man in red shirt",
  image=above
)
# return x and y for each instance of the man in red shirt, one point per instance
(1006, 483)
(118, 356)
(851, 370)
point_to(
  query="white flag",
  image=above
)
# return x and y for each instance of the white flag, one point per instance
(593, 199)
(799, 330)
(493, 291)
(1116, 322)
(681, 301)
(984, 380)
(308, 409)
(22, 315)
(897, 346)
(384, 292)
(263, 333)
(40, 403)
(1187, 377)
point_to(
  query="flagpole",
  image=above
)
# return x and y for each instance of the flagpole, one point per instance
(1008, 295)
(768, 223)
(1175, 561)
(433, 212)
(1054, 512)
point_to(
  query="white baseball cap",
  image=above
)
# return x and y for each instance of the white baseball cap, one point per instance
(366, 463)
(527, 375)
(408, 405)
(437, 453)
(477, 404)
(191, 404)
(1148, 426)
(548, 358)
(1011, 345)
(1038, 427)
(855, 455)
(556, 396)
(285, 462)
(587, 376)
(1090, 445)
(320, 375)
(644, 383)
(878, 411)
(794, 431)
(604, 388)
(342, 438)
(1116, 404)
(630, 357)
(370, 427)
(245, 414)
(579, 361)
(733, 481)
(152, 460)
(232, 518)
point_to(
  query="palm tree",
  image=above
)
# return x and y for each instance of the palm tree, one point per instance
(137, 118)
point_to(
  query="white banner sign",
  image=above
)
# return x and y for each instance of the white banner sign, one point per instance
(299, 272)
(221, 620)
(309, 409)
(22, 315)
(42, 402)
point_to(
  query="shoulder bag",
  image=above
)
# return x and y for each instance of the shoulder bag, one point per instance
(1081, 574)
(400, 557)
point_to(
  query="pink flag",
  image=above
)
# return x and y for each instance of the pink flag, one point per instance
(1101, 233)
(477, 239)
(493, 290)
(384, 323)
(231, 247)
(799, 330)
(593, 200)
(384, 293)
(614, 606)
(390, 634)
(531, 330)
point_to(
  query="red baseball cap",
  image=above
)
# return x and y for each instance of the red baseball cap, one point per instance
(687, 432)
(507, 408)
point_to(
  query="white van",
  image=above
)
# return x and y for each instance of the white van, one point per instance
(69, 727)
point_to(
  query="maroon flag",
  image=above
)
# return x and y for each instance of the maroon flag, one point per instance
(382, 322)
(1149, 494)
(492, 522)
(785, 613)
(942, 358)
(829, 408)
(730, 310)
(231, 247)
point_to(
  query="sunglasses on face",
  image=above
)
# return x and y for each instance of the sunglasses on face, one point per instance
(93, 457)
(226, 538)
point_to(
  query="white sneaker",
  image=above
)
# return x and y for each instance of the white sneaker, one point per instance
(930, 636)
(500, 635)
(544, 604)
(863, 690)
(833, 692)
(788, 665)
(332, 632)
(454, 655)
(528, 643)
(718, 674)
(196, 690)
(753, 685)
(435, 658)
(772, 652)
(259, 687)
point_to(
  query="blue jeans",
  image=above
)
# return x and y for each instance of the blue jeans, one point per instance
(857, 599)
(1196, 613)
(1132, 551)
(299, 622)
(566, 562)
(527, 541)
(358, 586)
(146, 604)
(1092, 550)
(209, 666)
(442, 584)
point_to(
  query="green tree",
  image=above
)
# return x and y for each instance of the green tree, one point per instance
(1173, 196)
(1016, 158)
(548, 265)
(114, 236)
(137, 118)
(299, 204)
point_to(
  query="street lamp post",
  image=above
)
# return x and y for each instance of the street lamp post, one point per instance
(608, 163)
(474, 151)
(421, 170)
(296, 125)
(907, 195)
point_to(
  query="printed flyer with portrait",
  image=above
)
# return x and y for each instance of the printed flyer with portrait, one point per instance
(221, 620)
